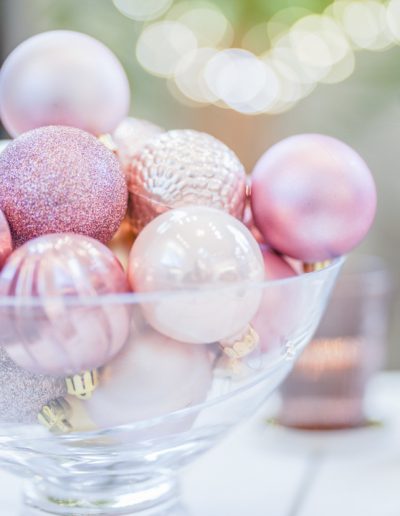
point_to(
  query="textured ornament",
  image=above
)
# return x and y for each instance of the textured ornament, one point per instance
(59, 180)
(130, 136)
(6, 244)
(313, 197)
(63, 78)
(151, 377)
(181, 168)
(23, 394)
(59, 334)
(207, 255)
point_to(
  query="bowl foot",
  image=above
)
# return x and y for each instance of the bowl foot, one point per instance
(136, 496)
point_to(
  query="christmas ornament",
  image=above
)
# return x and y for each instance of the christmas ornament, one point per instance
(152, 376)
(63, 78)
(130, 135)
(122, 242)
(23, 394)
(61, 179)
(207, 255)
(63, 334)
(181, 168)
(279, 305)
(6, 244)
(313, 197)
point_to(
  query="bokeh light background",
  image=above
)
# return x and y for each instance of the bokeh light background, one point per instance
(252, 72)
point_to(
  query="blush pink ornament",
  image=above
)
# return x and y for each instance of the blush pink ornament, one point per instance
(151, 377)
(277, 312)
(63, 78)
(6, 244)
(313, 197)
(205, 256)
(130, 135)
(182, 168)
(55, 328)
(59, 180)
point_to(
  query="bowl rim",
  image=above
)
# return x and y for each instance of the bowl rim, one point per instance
(132, 298)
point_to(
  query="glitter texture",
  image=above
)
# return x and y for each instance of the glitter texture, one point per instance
(61, 179)
(5, 240)
(181, 168)
(23, 394)
(55, 337)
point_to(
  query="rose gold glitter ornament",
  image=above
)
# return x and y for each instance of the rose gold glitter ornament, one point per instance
(6, 244)
(130, 135)
(59, 335)
(181, 168)
(152, 376)
(61, 179)
(206, 254)
(63, 78)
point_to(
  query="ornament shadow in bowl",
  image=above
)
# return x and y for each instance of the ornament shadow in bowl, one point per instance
(157, 405)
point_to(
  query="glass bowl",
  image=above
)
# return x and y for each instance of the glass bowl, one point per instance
(112, 441)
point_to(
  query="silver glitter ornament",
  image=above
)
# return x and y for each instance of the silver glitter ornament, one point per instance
(23, 394)
(180, 168)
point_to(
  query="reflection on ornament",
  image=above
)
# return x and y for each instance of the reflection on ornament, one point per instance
(181, 168)
(63, 78)
(313, 197)
(64, 333)
(206, 254)
(24, 394)
(61, 179)
(6, 245)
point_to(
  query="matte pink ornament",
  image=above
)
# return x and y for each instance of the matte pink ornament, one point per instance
(181, 168)
(61, 333)
(6, 244)
(313, 197)
(207, 255)
(278, 310)
(59, 180)
(130, 136)
(151, 377)
(63, 78)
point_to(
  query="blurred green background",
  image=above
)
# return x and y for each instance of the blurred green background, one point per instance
(363, 109)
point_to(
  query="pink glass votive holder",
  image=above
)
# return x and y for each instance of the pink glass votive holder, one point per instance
(326, 389)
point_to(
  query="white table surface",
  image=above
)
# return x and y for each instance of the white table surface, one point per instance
(263, 470)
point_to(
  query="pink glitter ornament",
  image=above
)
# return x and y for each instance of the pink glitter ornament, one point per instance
(59, 180)
(63, 78)
(201, 252)
(313, 197)
(151, 377)
(182, 168)
(6, 244)
(58, 335)
(130, 135)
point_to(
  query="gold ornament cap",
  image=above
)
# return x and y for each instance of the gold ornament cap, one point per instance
(55, 415)
(83, 385)
(317, 266)
(242, 344)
